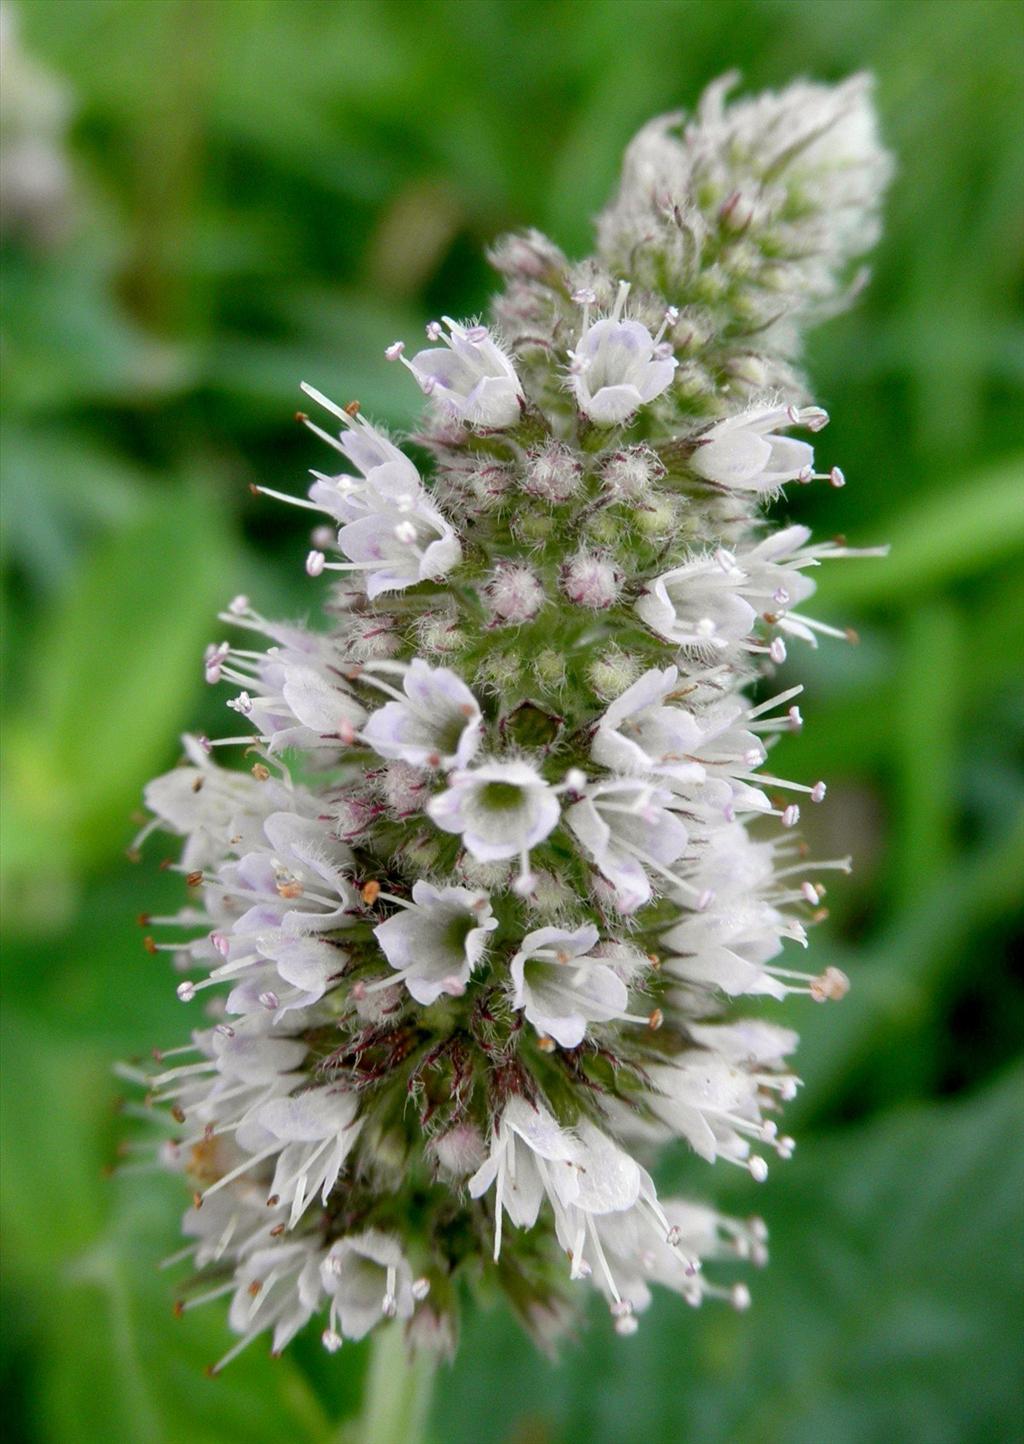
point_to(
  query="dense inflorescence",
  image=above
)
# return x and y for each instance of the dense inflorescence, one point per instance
(471, 931)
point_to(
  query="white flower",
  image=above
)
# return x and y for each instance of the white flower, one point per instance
(307, 965)
(617, 366)
(626, 827)
(774, 580)
(216, 811)
(391, 530)
(312, 1134)
(747, 1042)
(385, 470)
(744, 451)
(716, 1107)
(698, 605)
(561, 988)
(639, 734)
(367, 1278)
(436, 724)
(502, 809)
(470, 375)
(300, 880)
(665, 1242)
(437, 941)
(401, 539)
(296, 703)
(234, 1220)
(276, 1288)
(531, 1157)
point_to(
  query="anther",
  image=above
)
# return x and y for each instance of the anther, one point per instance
(831, 985)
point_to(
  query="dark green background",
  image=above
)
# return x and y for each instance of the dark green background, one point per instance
(272, 190)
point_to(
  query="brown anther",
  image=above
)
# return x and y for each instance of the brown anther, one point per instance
(853, 637)
(194, 879)
(654, 960)
(770, 617)
(178, 1113)
(467, 710)
(197, 784)
(143, 920)
(253, 489)
(254, 1288)
(197, 1200)
(150, 946)
(351, 409)
(277, 1230)
(301, 417)
(656, 1019)
(290, 889)
(165, 864)
(273, 1201)
(133, 854)
(370, 892)
(819, 915)
(260, 772)
(178, 1308)
(546, 1044)
(210, 1370)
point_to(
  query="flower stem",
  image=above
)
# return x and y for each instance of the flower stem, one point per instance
(396, 1400)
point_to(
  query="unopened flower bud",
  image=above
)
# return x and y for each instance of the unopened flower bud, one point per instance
(514, 594)
(591, 581)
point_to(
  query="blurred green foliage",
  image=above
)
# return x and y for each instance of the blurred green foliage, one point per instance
(269, 190)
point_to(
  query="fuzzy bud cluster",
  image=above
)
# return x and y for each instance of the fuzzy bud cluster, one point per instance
(470, 928)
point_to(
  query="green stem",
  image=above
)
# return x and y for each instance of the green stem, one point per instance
(396, 1400)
